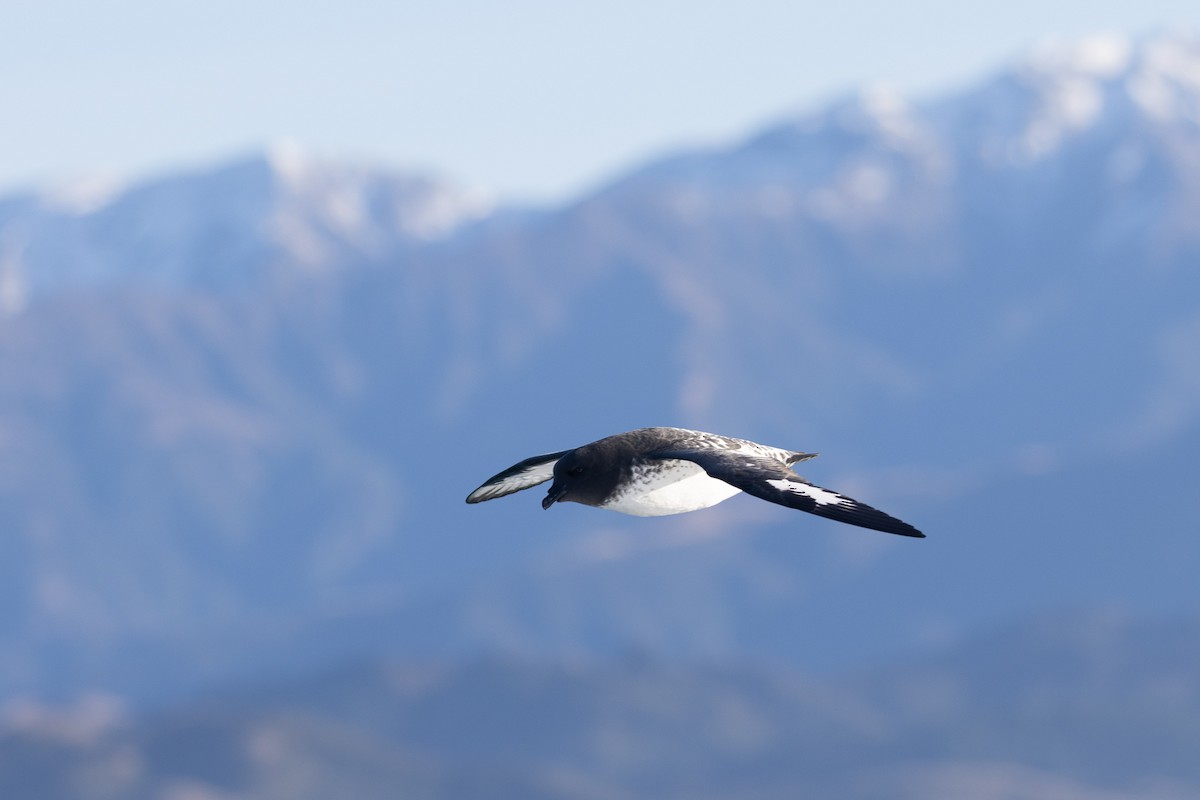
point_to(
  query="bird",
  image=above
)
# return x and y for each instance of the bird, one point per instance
(652, 472)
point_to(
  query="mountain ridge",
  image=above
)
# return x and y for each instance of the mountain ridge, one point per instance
(227, 226)
(1050, 94)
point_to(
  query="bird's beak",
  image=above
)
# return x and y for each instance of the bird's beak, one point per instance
(553, 495)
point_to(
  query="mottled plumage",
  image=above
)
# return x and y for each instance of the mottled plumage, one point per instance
(657, 471)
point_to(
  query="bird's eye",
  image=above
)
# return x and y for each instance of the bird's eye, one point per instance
(575, 471)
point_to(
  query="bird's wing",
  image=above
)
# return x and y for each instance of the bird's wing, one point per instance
(527, 473)
(767, 479)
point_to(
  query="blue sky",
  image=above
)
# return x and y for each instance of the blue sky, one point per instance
(534, 99)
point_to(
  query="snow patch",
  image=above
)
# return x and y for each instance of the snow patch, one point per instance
(1100, 56)
(80, 196)
(879, 110)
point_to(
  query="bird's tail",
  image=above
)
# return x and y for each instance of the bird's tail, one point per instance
(796, 458)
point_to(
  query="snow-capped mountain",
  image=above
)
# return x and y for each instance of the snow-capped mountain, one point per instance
(228, 226)
(876, 161)
(975, 306)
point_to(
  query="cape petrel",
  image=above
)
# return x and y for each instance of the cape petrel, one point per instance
(656, 471)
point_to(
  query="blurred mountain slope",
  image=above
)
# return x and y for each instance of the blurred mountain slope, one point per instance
(1081, 705)
(229, 443)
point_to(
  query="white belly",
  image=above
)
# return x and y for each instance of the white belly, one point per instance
(670, 486)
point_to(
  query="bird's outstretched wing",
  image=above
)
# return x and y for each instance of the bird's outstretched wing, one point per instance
(767, 479)
(527, 473)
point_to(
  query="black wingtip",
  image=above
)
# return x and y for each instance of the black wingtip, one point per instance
(865, 516)
(910, 532)
(892, 525)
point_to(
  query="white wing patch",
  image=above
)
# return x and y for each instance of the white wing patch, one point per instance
(816, 493)
(530, 472)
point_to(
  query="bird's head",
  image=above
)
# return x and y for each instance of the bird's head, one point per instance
(577, 479)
